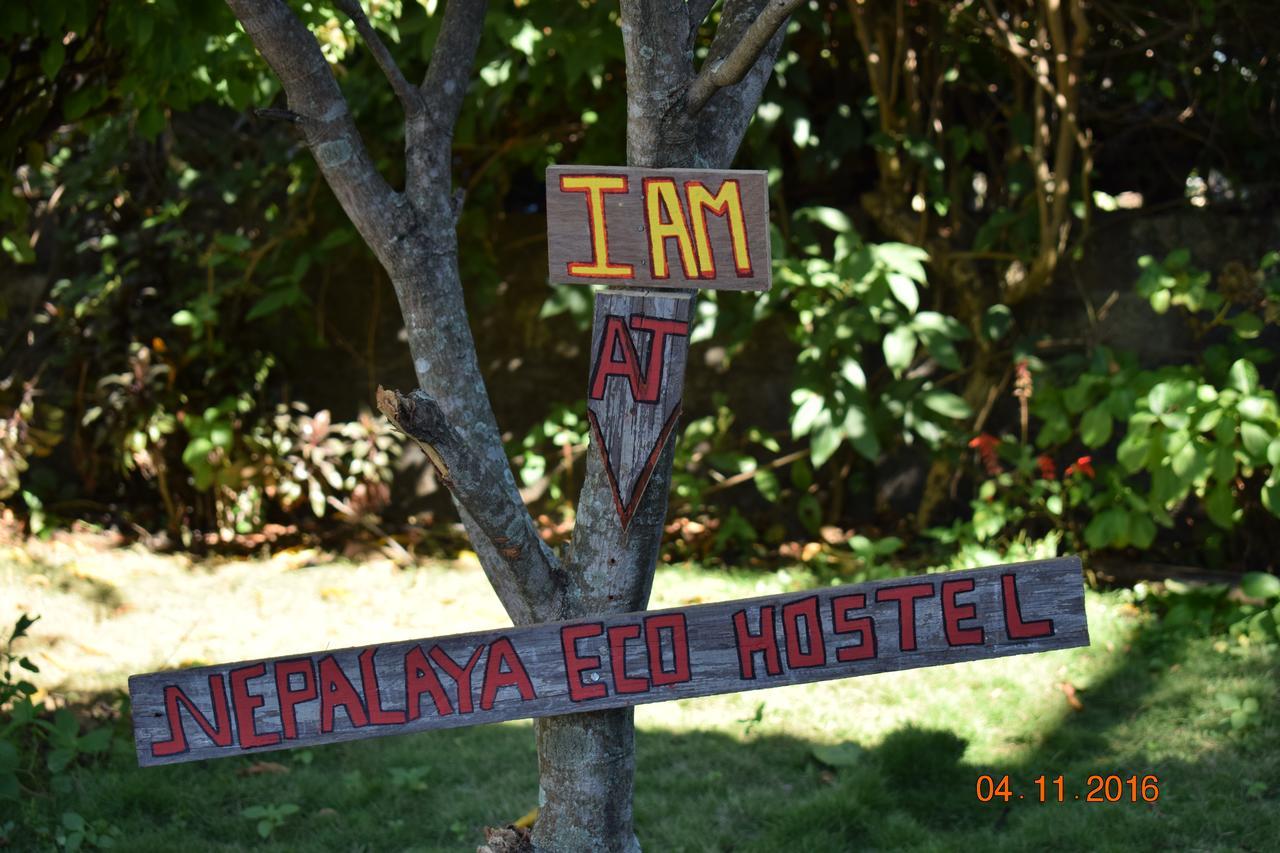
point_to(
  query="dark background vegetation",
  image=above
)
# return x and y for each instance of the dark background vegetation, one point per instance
(955, 354)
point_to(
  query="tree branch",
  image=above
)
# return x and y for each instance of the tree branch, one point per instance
(717, 74)
(722, 122)
(528, 560)
(445, 84)
(326, 122)
(410, 97)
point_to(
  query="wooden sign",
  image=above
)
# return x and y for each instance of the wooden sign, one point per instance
(591, 664)
(639, 346)
(658, 228)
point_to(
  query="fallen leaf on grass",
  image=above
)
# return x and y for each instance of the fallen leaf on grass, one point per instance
(838, 754)
(1069, 690)
(528, 820)
(262, 768)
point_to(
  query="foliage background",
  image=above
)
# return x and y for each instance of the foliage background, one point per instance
(1004, 312)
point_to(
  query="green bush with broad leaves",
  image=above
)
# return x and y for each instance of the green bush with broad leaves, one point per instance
(1195, 438)
(872, 366)
(37, 749)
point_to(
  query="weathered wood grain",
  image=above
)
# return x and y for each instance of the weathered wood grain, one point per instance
(639, 348)
(660, 228)
(610, 662)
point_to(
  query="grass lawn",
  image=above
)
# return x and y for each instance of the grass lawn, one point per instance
(881, 762)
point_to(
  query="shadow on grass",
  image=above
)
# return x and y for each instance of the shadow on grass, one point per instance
(1154, 713)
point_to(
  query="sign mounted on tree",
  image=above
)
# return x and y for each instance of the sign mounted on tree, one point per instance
(639, 346)
(658, 228)
(642, 231)
(607, 662)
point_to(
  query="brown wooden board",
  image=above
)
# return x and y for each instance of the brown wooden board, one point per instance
(639, 347)
(658, 227)
(591, 664)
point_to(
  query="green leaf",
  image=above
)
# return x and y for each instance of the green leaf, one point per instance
(184, 318)
(1260, 585)
(1243, 376)
(95, 741)
(1271, 494)
(1256, 408)
(904, 290)
(1142, 530)
(861, 434)
(899, 349)
(1220, 506)
(852, 372)
(52, 57)
(946, 404)
(1132, 451)
(767, 483)
(996, 322)
(59, 759)
(847, 754)
(1255, 439)
(1160, 301)
(825, 442)
(1095, 427)
(902, 257)
(832, 218)
(1107, 528)
(806, 415)
(1247, 325)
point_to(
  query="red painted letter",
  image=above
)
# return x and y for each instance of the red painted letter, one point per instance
(495, 677)
(623, 683)
(953, 612)
(245, 703)
(653, 628)
(220, 733)
(289, 698)
(461, 675)
(806, 609)
(650, 388)
(766, 642)
(420, 678)
(576, 664)
(616, 339)
(862, 626)
(378, 715)
(906, 596)
(335, 690)
(1019, 630)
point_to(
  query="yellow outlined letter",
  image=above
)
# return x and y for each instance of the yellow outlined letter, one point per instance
(595, 186)
(727, 200)
(660, 193)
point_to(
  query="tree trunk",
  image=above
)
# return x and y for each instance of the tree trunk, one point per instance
(586, 762)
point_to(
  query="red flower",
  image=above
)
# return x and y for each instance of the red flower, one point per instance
(1047, 469)
(986, 444)
(1083, 465)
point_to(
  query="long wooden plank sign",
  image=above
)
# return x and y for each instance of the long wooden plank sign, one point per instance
(586, 665)
(658, 227)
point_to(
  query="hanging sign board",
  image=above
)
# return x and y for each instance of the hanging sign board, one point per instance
(609, 662)
(658, 228)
